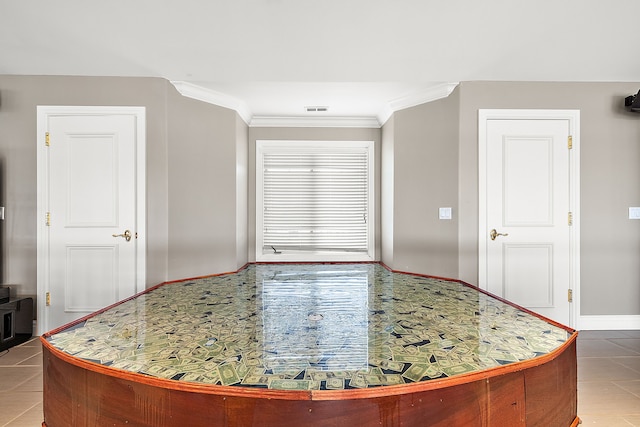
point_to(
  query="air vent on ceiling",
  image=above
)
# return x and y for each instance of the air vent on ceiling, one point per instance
(316, 109)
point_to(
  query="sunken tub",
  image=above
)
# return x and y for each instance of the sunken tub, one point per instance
(311, 345)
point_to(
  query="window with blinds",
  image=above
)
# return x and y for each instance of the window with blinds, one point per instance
(314, 200)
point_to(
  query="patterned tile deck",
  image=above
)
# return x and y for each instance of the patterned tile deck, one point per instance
(323, 326)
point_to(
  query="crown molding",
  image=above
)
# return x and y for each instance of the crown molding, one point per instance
(432, 93)
(384, 115)
(212, 97)
(319, 122)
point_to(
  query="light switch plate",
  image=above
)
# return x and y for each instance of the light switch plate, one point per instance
(634, 213)
(445, 213)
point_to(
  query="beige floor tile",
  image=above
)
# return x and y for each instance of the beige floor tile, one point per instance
(628, 343)
(602, 348)
(618, 404)
(31, 418)
(630, 386)
(16, 404)
(603, 421)
(603, 369)
(633, 420)
(17, 355)
(33, 342)
(33, 384)
(600, 388)
(629, 362)
(601, 335)
(13, 376)
(35, 360)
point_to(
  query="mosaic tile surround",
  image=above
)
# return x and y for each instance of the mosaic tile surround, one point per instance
(310, 327)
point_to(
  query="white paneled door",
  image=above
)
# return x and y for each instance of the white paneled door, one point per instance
(90, 213)
(528, 214)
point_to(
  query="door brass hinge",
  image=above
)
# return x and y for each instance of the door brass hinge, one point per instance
(47, 141)
(570, 218)
(570, 142)
(48, 219)
(570, 295)
(48, 299)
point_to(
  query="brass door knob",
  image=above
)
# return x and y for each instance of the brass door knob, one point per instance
(126, 235)
(493, 234)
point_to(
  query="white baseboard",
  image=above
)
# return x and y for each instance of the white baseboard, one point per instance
(606, 322)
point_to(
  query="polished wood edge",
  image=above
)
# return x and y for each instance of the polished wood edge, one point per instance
(368, 393)
(576, 422)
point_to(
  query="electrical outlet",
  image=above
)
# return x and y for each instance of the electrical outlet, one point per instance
(634, 213)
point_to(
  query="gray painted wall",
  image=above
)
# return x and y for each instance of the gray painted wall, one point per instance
(193, 149)
(202, 188)
(242, 188)
(609, 173)
(425, 178)
(19, 96)
(201, 192)
(387, 178)
(610, 183)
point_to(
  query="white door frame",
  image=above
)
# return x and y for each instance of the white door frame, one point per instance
(573, 116)
(44, 113)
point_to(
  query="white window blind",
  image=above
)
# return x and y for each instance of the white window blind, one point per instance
(315, 200)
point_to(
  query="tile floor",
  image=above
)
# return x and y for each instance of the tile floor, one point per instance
(609, 378)
(21, 385)
(608, 381)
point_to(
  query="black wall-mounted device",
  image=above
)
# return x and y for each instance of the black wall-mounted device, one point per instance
(632, 102)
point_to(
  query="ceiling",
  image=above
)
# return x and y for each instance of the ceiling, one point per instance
(269, 59)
